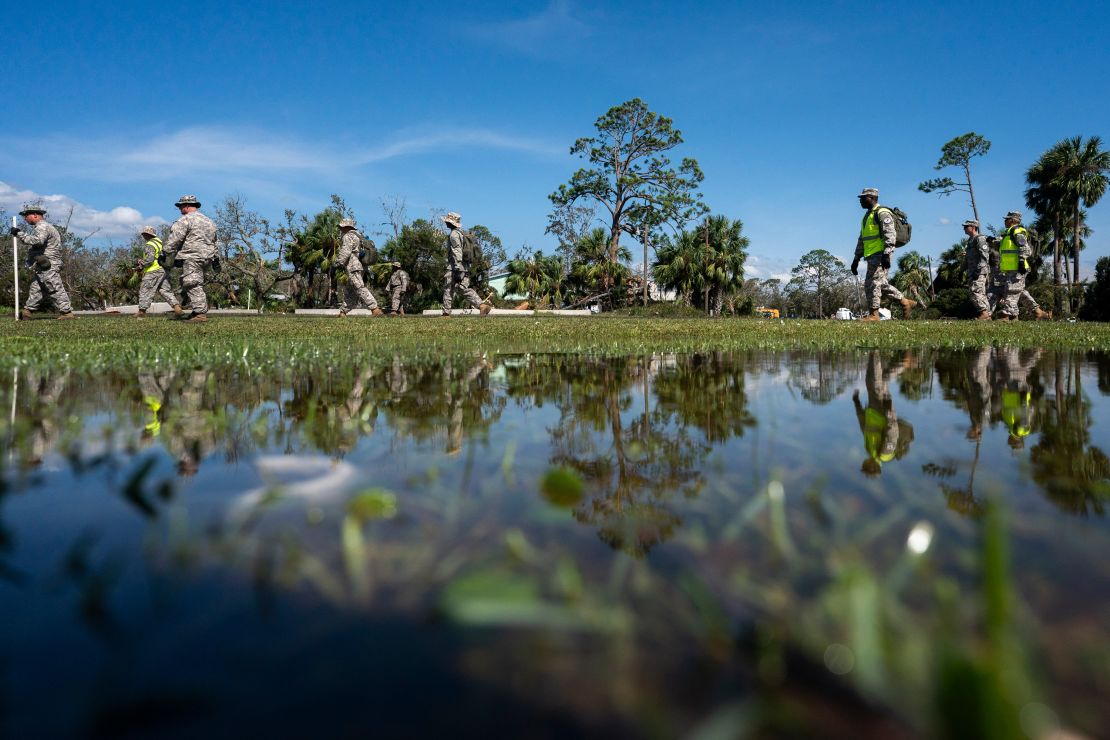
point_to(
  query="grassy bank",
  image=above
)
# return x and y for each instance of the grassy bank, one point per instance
(101, 342)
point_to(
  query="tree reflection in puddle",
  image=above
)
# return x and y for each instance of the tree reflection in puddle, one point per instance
(617, 545)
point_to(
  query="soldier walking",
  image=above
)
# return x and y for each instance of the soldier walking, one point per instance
(1014, 252)
(456, 274)
(398, 286)
(154, 279)
(876, 243)
(977, 261)
(192, 240)
(44, 257)
(347, 259)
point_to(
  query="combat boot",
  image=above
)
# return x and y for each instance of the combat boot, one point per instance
(484, 309)
(873, 316)
(68, 315)
(907, 307)
(376, 312)
(1041, 314)
(445, 315)
(177, 310)
(342, 313)
(984, 316)
(141, 314)
(25, 315)
(197, 318)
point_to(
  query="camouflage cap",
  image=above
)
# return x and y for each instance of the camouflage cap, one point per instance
(346, 224)
(149, 230)
(453, 218)
(869, 191)
(32, 208)
(396, 265)
(187, 200)
(1014, 215)
(971, 222)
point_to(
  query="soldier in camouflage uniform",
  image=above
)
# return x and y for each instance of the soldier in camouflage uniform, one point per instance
(154, 280)
(456, 274)
(885, 436)
(346, 258)
(877, 241)
(192, 240)
(977, 262)
(44, 257)
(398, 285)
(1014, 253)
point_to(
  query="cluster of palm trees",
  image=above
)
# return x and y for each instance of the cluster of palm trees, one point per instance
(1066, 179)
(702, 265)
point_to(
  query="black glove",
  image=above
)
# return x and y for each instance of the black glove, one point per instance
(215, 262)
(885, 261)
(14, 231)
(855, 266)
(178, 262)
(1023, 267)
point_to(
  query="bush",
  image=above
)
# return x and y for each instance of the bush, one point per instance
(952, 303)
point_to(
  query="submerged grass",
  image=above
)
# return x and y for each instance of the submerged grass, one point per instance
(94, 343)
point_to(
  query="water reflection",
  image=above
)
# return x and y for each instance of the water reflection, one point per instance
(594, 507)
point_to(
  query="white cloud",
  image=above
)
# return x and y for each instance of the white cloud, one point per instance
(556, 27)
(121, 221)
(944, 221)
(765, 268)
(220, 150)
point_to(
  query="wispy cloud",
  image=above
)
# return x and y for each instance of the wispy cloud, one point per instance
(218, 150)
(766, 268)
(943, 221)
(557, 27)
(121, 221)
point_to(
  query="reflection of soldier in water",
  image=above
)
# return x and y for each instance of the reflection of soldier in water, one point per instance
(154, 389)
(885, 436)
(456, 396)
(46, 393)
(192, 436)
(1015, 400)
(356, 413)
(978, 391)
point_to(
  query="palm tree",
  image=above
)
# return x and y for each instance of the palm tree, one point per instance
(725, 254)
(539, 277)
(593, 269)
(678, 265)
(913, 275)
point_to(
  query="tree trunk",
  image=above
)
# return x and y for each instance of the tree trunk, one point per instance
(971, 191)
(1057, 282)
(1075, 253)
(645, 270)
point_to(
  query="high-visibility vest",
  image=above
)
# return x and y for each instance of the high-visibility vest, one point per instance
(874, 435)
(1009, 252)
(870, 232)
(1017, 412)
(157, 244)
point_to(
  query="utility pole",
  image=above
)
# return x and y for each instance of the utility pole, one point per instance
(645, 234)
(705, 267)
(15, 268)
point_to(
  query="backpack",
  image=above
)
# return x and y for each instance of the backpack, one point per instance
(367, 252)
(902, 226)
(471, 250)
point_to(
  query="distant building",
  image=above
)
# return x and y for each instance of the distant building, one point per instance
(497, 282)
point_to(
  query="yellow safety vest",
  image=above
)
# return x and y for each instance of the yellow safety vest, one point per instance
(874, 435)
(1017, 412)
(157, 244)
(870, 232)
(1009, 251)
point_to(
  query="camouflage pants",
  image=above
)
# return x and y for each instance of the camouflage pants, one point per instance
(357, 292)
(876, 284)
(154, 283)
(978, 287)
(1015, 286)
(192, 282)
(48, 283)
(396, 296)
(457, 276)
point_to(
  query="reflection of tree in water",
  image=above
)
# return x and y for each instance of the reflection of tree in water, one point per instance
(823, 375)
(636, 461)
(1074, 474)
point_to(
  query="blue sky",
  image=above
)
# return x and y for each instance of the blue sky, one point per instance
(789, 108)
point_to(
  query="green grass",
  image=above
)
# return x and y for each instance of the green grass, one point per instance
(92, 343)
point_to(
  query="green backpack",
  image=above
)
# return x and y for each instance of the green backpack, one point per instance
(902, 227)
(367, 252)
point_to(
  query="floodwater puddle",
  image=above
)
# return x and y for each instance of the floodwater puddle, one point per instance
(853, 544)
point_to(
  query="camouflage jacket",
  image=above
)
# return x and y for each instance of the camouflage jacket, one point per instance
(193, 236)
(43, 240)
(977, 257)
(454, 249)
(346, 256)
(398, 281)
(886, 226)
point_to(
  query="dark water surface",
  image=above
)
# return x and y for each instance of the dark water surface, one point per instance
(851, 544)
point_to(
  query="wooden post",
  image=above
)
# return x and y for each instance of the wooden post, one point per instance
(646, 232)
(15, 268)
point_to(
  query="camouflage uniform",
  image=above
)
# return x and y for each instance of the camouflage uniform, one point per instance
(398, 285)
(192, 239)
(44, 242)
(154, 277)
(877, 283)
(1015, 281)
(456, 274)
(347, 258)
(977, 261)
(885, 436)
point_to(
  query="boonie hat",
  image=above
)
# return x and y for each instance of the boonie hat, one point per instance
(187, 200)
(453, 218)
(346, 224)
(149, 230)
(32, 208)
